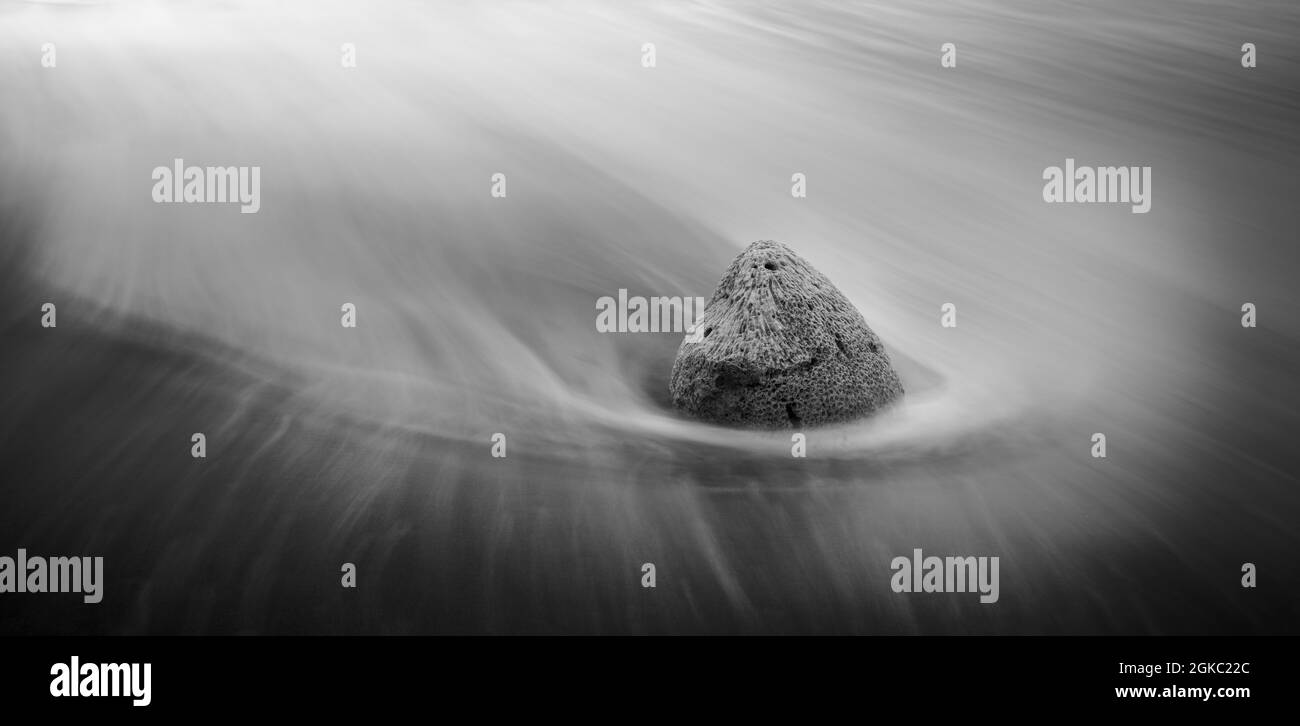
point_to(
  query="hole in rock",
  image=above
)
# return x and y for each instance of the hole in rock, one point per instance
(792, 413)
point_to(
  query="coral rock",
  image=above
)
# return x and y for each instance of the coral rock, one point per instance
(779, 346)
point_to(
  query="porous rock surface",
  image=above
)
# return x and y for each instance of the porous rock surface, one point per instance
(779, 346)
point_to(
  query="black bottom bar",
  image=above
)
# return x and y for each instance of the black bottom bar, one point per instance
(918, 675)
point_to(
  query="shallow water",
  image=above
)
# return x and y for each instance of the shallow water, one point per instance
(476, 315)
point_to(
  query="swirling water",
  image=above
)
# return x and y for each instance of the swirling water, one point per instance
(476, 315)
